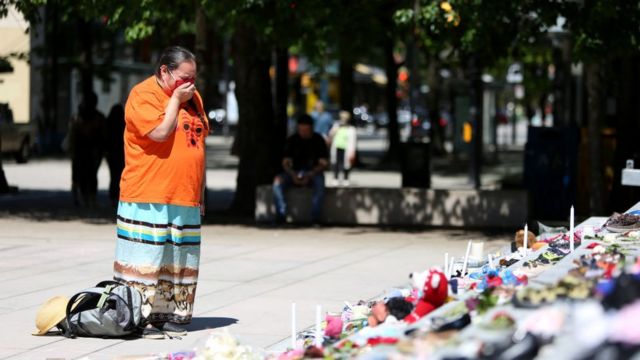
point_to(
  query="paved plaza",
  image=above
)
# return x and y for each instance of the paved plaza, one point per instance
(249, 276)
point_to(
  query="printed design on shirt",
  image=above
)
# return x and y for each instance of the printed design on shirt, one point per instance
(194, 130)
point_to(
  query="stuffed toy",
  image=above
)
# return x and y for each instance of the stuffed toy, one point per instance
(399, 308)
(389, 311)
(334, 326)
(519, 240)
(434, 287)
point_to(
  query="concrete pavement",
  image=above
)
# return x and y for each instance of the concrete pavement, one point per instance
(248, 278)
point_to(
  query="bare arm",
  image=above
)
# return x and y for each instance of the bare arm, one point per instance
(322, 165)
(168, 125)
(204, 187)
(287, 165)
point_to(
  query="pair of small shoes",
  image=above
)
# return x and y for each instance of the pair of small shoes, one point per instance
(153, 333)
(173, 330)
(167, 329)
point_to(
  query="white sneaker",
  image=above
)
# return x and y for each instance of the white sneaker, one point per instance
(346, 183)
(335, 183)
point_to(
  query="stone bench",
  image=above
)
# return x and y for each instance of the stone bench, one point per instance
(406, 206)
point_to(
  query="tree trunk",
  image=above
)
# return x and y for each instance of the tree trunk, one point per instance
(282, 97)
(627, 147)
(433, 105)
(594, 132)
(205, 80)
(85, 29)
(255, 135)
(346, 85)
(562, 85)
(49, 123)
(393, 130)
(4, 185)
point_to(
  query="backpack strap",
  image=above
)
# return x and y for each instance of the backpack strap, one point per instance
(105, 294)
(72, 331)
(108, 282)
(76, 302)
(127, 299)
(129, 302)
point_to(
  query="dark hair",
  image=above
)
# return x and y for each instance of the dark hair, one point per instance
(305, 119)
(172, 57)
(90, 100)
(399, 307)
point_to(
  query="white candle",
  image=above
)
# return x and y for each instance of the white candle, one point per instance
(490, 261)
(477, 250)
(526, 237)
(446, 264)
(466, 259)
(293, 326)
(451, 264)
(319, 336)
(571, 246)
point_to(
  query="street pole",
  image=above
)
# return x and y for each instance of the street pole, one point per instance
(226, 70)
(412, 54)
(514, 116)
(475, 112)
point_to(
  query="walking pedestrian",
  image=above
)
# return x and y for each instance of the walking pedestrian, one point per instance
(161, 193)
(115, 150)
(343, 149)
(86, 147)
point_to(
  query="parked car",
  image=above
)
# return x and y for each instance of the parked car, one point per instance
(15, 139)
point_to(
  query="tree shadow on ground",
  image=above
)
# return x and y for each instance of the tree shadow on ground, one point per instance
(54, 205)
(57, 205)
(204, 323)
(453, 233)
(401, 209)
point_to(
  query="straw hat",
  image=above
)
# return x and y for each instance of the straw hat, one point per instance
(50, 314)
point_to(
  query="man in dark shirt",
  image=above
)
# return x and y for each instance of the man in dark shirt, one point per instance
(305, 158)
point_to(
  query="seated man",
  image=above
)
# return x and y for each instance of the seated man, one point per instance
(305, 158)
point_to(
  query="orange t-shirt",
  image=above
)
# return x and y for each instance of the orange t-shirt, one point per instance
(168, 172)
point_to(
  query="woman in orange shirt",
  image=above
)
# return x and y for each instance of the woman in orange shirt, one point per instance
(162, 193)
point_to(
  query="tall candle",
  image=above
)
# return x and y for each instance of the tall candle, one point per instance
(526, 237)
(319, 336)
(293, 326)
(490, 261)
(466, 259)
(451, 266)
(571, 246)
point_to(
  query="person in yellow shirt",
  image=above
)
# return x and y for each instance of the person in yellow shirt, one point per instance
(343, 149)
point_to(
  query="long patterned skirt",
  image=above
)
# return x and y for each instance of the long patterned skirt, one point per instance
(158, 252)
